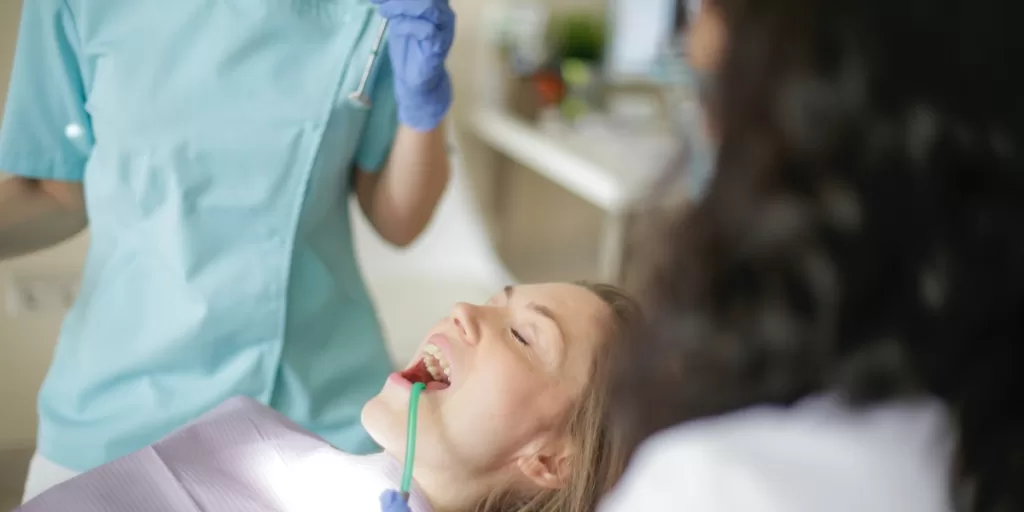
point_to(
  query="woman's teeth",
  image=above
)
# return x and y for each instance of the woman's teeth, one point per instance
(439, 367)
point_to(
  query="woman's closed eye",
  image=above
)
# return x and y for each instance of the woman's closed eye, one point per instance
(518, 336)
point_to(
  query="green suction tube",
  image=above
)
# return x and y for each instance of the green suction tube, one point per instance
(410, 440)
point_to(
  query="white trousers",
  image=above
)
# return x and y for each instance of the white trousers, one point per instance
(42, 475)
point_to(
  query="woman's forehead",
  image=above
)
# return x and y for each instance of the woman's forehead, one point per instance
(565, 298)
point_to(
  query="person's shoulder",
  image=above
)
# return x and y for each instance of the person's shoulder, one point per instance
(817, 455)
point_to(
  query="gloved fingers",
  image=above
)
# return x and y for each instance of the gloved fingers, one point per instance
(415, 28)
(414, 3)
(429, 40)
(436, 11)
(420, 34)
(391, 501)
(420, 67)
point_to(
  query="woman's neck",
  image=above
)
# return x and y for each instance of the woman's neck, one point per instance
(445, 489)
(449, 491)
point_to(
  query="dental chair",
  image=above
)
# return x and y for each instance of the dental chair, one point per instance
(452, 261)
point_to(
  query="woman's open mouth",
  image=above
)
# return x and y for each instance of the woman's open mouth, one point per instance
(433, 369)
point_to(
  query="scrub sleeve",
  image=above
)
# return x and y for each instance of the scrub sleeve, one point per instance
(46, 132)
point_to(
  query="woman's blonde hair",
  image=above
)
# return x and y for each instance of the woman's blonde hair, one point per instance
(598, 456)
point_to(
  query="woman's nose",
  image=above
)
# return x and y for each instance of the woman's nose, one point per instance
(466, 318)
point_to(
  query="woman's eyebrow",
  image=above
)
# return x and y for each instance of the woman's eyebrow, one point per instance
(537, 308)
(559, 342)
(546, 312)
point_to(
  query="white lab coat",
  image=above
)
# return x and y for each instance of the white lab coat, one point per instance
(817, 456)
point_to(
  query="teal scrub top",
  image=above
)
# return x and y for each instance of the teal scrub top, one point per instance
(216, 145)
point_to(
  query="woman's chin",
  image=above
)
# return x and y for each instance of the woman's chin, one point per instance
(385, 421)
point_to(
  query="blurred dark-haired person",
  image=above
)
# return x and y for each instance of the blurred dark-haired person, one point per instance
(837, 325)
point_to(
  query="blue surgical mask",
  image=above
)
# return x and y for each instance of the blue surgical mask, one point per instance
(700, 150)
(687, 93)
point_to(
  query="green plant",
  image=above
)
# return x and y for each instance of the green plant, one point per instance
(578, 36)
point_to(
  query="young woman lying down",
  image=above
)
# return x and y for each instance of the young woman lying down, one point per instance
(511, 421)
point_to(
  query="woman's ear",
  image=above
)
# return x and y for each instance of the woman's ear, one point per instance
(550, 467)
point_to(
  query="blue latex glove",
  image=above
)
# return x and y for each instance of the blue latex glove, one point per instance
(391, 501)
(420, 35)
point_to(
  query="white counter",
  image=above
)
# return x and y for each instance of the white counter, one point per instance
(611, 167)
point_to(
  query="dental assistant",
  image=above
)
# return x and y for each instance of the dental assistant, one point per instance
(212, 147)
(837, 326)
